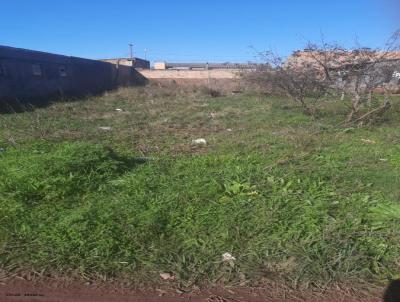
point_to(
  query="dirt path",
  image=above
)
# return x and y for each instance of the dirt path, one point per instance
(52, 291)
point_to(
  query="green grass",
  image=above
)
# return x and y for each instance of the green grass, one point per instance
(291, 198)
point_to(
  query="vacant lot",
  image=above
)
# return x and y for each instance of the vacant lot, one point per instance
(112, 187)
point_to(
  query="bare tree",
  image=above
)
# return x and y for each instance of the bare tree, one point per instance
(359, 72)
(300, 81)
(321, 69)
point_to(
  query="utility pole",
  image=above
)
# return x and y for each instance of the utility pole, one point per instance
(131, 50)
(145, 53)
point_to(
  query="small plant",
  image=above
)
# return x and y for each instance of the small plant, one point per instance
(211, 92)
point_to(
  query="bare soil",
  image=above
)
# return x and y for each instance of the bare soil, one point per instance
(63, 291)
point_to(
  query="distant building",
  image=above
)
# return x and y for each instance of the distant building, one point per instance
(383, 67)
(202, 66)
(132, 62)
(160, 66)
(302, 58)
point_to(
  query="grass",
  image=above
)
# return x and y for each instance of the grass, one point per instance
(290, 198)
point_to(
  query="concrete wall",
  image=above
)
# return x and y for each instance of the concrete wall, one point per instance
(32, 76)
(191, 74)
(228, 79)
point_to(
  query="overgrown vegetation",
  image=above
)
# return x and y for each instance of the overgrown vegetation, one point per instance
(290, 198)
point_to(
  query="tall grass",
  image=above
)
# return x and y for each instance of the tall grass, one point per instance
(78, 209)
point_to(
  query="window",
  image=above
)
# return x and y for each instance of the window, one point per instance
(62, 71)
(36, 69)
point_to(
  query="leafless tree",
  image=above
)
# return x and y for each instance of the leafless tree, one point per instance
(359, 71)
(324, 68)
(300, 81)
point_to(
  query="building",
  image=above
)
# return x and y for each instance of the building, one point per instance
(35, 77)
(132, 62)
(202, 66)
(350, 68)
(160, 66)
(339, 58)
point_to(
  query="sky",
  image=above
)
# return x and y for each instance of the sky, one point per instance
(192, 31)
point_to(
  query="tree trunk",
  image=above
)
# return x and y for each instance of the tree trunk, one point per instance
(355, 107)
(369, 101)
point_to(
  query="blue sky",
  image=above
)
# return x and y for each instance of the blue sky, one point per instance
(202, 30)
